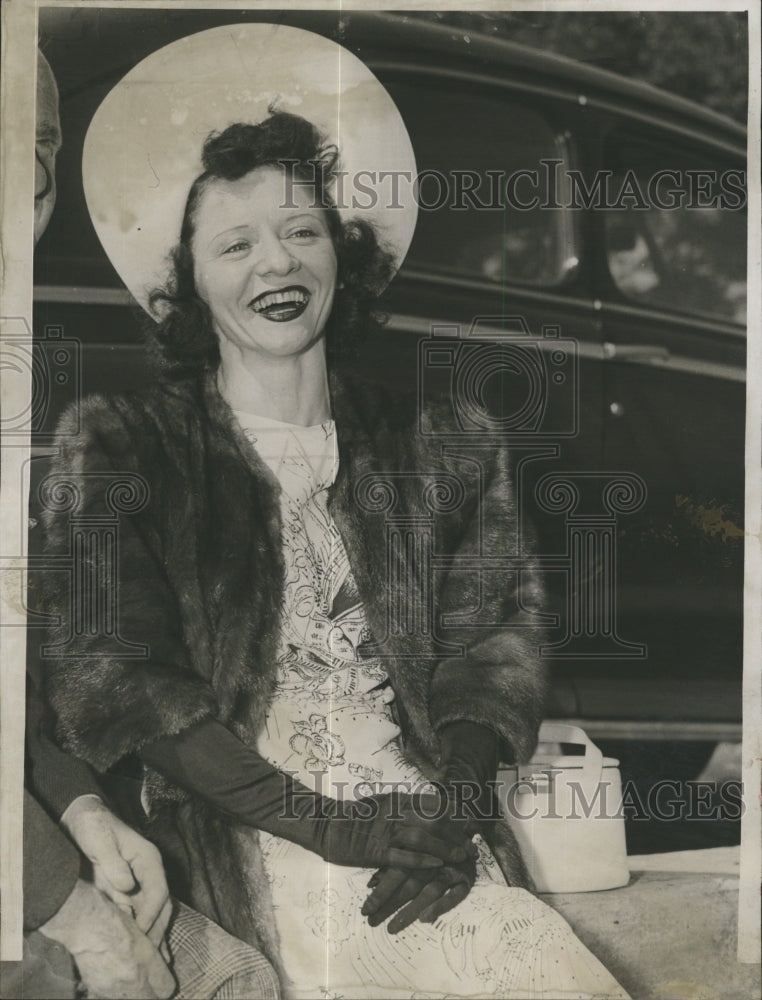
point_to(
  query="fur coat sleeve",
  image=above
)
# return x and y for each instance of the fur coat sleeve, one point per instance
(432, 532)
(118, 685)
(498, 680)
(444, 565)
(191, 627)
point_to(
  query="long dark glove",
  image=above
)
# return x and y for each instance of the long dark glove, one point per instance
(208, 760)
(470, 758)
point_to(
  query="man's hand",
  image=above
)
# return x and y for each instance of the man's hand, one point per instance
(126, 867)
(114, 959)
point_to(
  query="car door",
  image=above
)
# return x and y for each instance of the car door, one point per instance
(673, 279)
(484, 269)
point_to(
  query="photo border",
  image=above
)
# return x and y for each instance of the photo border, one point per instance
(19, 31)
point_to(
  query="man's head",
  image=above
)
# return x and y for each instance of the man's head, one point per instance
(47, 144)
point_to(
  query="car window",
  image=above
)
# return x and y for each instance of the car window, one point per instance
(677, 236)
(463, 141)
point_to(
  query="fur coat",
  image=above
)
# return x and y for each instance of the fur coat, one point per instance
(200, 577)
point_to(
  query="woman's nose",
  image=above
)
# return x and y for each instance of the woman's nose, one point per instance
(274, 257)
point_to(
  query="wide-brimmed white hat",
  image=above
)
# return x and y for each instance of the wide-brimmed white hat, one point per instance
(143, 148)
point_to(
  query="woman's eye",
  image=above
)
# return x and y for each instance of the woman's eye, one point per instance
(303, 233)
(236, 247)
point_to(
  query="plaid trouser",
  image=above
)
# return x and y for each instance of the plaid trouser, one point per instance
(208, 963)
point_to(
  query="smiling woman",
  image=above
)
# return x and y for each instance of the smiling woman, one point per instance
(262, 244)
(292, 700)
(264, 265)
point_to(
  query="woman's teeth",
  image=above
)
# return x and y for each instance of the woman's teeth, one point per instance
(291, 296)
(281, 306)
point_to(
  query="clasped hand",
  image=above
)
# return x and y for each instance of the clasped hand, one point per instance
(113, 957)
(126, 867)
(469, 754)
(390, 830)
(426, 893)
(114, 927)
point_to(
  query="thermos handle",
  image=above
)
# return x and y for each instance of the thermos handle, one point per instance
(592, 767)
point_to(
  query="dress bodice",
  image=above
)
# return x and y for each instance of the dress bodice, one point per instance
(330, 720)
(331, 724)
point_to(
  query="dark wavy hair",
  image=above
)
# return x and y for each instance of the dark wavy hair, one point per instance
(183, 341)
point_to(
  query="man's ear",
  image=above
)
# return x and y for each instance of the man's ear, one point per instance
(43, 209)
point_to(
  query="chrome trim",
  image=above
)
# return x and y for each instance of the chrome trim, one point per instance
(121, 297)
(618, 729)
(569, 229)
(562, 91)
(402, 322)
(682, 363)
(590, 350)
(645, 353)
(669, 126)
(569, 267)
(536, 293)
(85, 295)
(549, 295)
(656, 356)
(684, 319)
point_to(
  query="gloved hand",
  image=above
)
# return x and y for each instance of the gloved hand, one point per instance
(470, 758)
(208, 760)
(418, 895)
(391, 826)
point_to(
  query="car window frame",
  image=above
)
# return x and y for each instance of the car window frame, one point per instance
(546, 103)
(663, 142)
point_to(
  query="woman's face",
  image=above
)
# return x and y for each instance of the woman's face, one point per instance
(267, 271)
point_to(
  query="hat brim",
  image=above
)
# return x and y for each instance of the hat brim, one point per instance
(142, 151)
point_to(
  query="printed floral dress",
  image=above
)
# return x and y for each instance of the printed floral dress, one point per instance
(331, 718)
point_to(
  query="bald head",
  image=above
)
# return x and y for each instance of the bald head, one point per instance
(48, 142)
